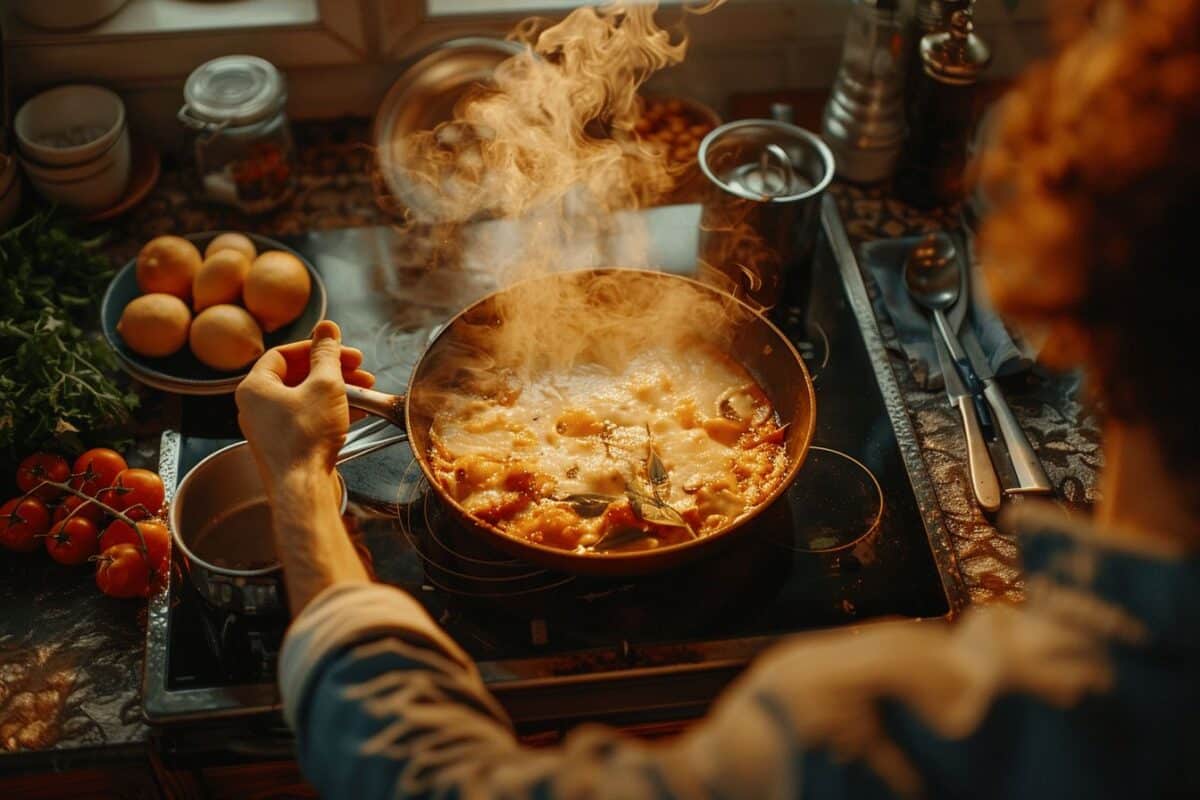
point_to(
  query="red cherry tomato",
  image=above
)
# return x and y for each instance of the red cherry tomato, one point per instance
(158, 540)
(137, 492)
(72, 541)
(122, 572)
(96, 469)
(22, 520)
(42, 467)
(90, 510)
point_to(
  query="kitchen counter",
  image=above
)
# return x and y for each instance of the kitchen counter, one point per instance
(70, 659)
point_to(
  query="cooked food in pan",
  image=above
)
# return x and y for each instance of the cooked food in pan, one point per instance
(675, 444)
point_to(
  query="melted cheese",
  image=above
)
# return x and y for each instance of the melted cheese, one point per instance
(521, 461)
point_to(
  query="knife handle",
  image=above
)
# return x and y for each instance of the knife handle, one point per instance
(983, 474)
(1030, 475)
(978, 391)
(966, 372)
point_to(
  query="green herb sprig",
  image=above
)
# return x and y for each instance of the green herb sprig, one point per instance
(56, 374)
(647, 505)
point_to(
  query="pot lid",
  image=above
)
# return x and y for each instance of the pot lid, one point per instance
(424, 96)
(235, 90)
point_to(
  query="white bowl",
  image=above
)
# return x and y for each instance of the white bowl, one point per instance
(93, 186)
(59, 111)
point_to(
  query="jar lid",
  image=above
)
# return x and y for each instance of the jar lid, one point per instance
(957, 55)
(234, 90)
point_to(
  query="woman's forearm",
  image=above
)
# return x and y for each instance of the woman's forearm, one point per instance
(309, 535)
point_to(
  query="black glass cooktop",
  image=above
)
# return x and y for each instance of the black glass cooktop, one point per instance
(850, 542)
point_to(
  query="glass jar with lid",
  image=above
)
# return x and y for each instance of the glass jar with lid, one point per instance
(243, 143)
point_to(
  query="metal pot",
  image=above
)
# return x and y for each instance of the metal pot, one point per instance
(759, 224)
(756, 344)
(223, 480)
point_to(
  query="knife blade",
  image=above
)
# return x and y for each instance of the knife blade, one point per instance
(958, 312)
(1031, 477)
(954, 316)
(984, 483)
(979, 361)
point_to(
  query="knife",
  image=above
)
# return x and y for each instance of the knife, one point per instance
(1031, 478)
(983, 476)
(955, 316)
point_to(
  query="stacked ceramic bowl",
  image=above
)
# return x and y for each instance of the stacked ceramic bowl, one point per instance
(74, 145)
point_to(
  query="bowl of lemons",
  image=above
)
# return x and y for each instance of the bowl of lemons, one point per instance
(192, 313)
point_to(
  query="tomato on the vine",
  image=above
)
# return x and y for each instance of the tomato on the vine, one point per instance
(158, 540)
(122, 572)
(43, 467)
(73, 541)
(96, 469)
(90, 511)
(137, 492)
(22, 520)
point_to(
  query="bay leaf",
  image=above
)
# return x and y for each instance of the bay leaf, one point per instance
(588, 504)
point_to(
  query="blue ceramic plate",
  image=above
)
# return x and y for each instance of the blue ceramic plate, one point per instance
(182, 372)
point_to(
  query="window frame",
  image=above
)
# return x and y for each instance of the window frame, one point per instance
(338, 36)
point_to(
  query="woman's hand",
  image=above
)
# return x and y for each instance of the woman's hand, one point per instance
(292, 406)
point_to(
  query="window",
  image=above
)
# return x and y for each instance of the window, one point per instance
(162, 17)
(341, 55)
(440, 8)
(174, 36)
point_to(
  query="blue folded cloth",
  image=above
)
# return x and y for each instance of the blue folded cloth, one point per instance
(884, 259)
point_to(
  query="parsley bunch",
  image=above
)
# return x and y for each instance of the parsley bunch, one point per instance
(56, 374)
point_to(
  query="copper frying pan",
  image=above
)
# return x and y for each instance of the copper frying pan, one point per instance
(754, 342)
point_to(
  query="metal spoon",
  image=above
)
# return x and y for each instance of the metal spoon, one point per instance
(932, 277)
(931, 273)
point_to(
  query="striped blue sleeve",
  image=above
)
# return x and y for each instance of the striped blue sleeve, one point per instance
(384, 704)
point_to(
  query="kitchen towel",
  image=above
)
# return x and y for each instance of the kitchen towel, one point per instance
(884, 259)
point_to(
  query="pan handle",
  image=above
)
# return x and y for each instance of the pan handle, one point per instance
(388, 406)
(351, 452)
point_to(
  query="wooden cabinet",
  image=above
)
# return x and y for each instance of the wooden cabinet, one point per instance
(126, 782)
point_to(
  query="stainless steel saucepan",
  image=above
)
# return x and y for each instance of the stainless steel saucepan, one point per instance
(225, 480)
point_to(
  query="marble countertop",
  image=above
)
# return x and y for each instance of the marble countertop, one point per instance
(71, 659)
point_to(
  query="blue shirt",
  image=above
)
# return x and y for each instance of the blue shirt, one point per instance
(1090, 689)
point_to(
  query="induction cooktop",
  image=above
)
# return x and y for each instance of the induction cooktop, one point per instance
(857, 537)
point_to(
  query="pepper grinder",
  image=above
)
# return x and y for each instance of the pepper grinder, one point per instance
(863, 123)
(941, 114)
(929, 16)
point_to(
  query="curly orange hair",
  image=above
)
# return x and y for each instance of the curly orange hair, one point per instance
(1094, 184)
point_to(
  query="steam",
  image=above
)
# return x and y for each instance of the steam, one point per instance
(603, 320)
(552, 325)
(547, 156)
(555, 133)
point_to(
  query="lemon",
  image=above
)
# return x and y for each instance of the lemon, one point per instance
(276, 289)
(225, 337)
(167, 264)
(219, 279)
(155, 324)
(232, 241)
